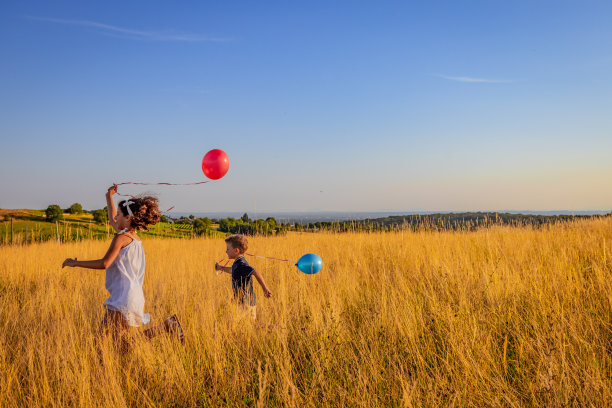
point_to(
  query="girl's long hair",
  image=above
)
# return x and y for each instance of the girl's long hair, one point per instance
(145, 211)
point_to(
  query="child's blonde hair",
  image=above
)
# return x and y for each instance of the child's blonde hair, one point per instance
(239, 242)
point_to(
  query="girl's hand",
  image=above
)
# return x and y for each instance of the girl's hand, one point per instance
(267, 292)
(112, 190)
(69, 262)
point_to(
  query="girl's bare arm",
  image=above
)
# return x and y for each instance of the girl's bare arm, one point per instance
(110, 207)
(118, 242)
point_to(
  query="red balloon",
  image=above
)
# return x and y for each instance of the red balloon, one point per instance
(215, 164)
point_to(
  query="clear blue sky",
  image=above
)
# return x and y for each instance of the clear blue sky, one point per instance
(471, 105)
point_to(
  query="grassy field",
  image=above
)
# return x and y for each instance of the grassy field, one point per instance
(498, 317)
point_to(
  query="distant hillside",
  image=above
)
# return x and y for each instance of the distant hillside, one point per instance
(472, 219)
(305, 217)
(26, 226)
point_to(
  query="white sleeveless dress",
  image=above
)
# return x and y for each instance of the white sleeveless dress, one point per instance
(124, 280)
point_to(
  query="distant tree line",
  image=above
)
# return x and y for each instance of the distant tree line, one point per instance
(447, 221)
(439, 222)
(245, 225)
(54, 212)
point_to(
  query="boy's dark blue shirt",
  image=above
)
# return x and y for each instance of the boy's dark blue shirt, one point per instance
(242, 281)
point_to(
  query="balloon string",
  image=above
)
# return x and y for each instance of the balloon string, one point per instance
(156, 184)
(269, 257)
(131, 196)
(221, 271)
(162, 184)
(256, 256)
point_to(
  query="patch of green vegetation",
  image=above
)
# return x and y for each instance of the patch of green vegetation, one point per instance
(32, 226)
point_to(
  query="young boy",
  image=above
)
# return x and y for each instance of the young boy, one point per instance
(242, 273)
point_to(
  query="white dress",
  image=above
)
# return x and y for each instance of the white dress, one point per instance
(124, 280)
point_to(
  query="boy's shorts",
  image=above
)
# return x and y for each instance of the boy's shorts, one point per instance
(246, 311)
(252, 311)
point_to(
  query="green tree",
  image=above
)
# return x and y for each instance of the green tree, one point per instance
(76, 208)
(223, 225)
(271, 221)
(54, 213)
(228, 224)
(245, 218)
(163, 218)
(183, 220)
(262, 227)
(201, 226)
(100, 216)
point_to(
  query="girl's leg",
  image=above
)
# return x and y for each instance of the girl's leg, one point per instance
(170, 325)
(113, 328)
(154, 331)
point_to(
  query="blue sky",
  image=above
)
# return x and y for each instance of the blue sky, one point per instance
(349, 106)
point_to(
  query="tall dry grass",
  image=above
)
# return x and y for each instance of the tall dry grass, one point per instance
(498, 317)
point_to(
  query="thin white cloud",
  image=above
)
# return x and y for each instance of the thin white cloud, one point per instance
(130, 33)
(471, 79)
(183, 90)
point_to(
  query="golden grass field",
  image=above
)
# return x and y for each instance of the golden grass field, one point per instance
(498, 317)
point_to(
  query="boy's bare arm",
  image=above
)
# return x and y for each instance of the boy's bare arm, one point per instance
(259, 278)
(226, 269)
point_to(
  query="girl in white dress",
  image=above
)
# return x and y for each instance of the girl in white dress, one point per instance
(125, 268)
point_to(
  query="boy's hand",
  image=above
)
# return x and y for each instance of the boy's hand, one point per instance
(218, 267)
(69, 262)
(267, 293)
(112, 190)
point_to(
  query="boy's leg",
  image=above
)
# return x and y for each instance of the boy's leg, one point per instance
(246, 309)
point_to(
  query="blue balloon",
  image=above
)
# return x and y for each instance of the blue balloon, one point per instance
(310, 263)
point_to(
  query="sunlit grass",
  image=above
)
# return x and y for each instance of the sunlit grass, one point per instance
(497, 317)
